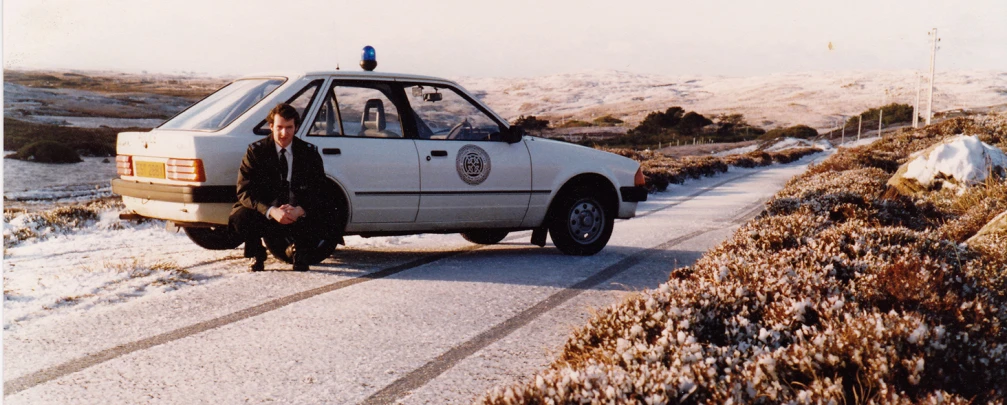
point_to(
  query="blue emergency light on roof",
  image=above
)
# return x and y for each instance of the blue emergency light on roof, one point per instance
(368, 59)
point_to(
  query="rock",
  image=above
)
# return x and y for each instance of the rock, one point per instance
(957, 162)
(998, 226)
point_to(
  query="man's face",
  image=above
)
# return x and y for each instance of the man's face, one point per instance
(283, 131)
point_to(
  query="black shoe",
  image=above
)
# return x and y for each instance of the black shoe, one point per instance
(301, 267)
(291, 251)
(256, 264)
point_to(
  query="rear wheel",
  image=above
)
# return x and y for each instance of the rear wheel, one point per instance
(278, 247)
(485, 236)
(214, 238)
(581, 224)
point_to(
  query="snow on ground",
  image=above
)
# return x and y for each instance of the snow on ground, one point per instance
(65, 106)
(345, 345)
(965, 159)
(779, 145)
(860, 142)
(95, 122)
(33, 181)
(108, 261)
(794, 143)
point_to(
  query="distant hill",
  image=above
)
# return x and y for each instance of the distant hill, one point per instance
(816, 99)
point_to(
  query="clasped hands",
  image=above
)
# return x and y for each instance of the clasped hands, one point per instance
(286, 214)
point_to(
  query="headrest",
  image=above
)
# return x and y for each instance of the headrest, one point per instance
(376, 107)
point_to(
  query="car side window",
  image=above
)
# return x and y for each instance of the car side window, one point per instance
(300, 101)
(357, 109)
(442, 113)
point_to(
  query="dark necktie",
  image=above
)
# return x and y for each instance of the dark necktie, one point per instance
(284, 183)
(283, 164)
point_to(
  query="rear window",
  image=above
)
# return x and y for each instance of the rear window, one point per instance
(224, 106)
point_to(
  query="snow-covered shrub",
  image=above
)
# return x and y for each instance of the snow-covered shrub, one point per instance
(836, 294)
(21, 226)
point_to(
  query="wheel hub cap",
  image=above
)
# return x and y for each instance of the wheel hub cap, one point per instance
(586, 220)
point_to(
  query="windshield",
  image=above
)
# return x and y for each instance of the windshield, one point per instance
(223, 107)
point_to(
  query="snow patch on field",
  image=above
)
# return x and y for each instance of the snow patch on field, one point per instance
(779, 145)
(53, 266)
(965, 159)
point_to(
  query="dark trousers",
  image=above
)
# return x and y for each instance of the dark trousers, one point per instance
(252, 226)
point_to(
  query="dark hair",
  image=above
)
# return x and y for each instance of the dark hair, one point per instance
(286, 111)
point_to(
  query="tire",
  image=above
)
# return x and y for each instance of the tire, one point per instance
(214, 238)
(278, 248)
(485, 236)
(581, 225)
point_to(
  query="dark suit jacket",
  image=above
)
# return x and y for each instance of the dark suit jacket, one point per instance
(259, 182)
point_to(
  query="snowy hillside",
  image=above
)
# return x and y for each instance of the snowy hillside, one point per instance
(817, 99)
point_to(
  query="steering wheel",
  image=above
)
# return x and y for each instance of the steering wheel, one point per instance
(460, 131)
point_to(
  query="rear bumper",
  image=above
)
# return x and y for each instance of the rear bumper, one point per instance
(173, 193)
(629, 194)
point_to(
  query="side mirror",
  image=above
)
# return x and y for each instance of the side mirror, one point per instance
(513, 134)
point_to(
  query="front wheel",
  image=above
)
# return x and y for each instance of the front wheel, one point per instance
(278, 245)
(214, 238)
(581, 225)
(485, 237)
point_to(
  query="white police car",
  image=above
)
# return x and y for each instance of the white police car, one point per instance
(405, 154)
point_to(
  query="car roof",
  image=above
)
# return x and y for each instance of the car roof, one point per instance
(351, 74)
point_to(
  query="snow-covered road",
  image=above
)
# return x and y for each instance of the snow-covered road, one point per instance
(418, 319)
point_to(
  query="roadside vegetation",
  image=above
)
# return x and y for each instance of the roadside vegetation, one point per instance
(661, 170)
(19, 134)
(190, 87)
(21, 226)
(894, 113)
(841, 291)
(47, 152)
(669, 127)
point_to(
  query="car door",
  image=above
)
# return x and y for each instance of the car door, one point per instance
(469, 177)
(359, 134)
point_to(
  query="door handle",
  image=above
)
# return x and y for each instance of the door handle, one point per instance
(441, 153)
(331, 151)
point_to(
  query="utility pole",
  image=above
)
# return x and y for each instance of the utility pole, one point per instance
(916, 107)
(881, 116)
(843, 118)
(860, 124)
(933, 55)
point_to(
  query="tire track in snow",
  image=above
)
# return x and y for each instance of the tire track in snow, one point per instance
(434, 368)
(42, 376)
(45, 375)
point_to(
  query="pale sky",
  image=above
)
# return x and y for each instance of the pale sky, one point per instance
(515, 38)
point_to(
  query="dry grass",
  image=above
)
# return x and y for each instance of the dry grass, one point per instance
(662, 170)
(20, 226)
(179, 86)
(835, 294)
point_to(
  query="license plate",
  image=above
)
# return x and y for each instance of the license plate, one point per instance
(150, 169)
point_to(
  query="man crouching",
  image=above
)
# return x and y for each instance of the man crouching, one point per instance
(281, 185)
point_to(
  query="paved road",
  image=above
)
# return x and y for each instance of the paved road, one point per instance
(409, 322)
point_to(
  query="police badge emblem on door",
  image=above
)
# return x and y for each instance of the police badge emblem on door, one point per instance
(473, 164)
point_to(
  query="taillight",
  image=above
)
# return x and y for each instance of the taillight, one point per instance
(185, 170)
(124, 165)
(639, 180)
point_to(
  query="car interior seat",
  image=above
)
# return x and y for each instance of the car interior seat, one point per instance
(375, 127)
